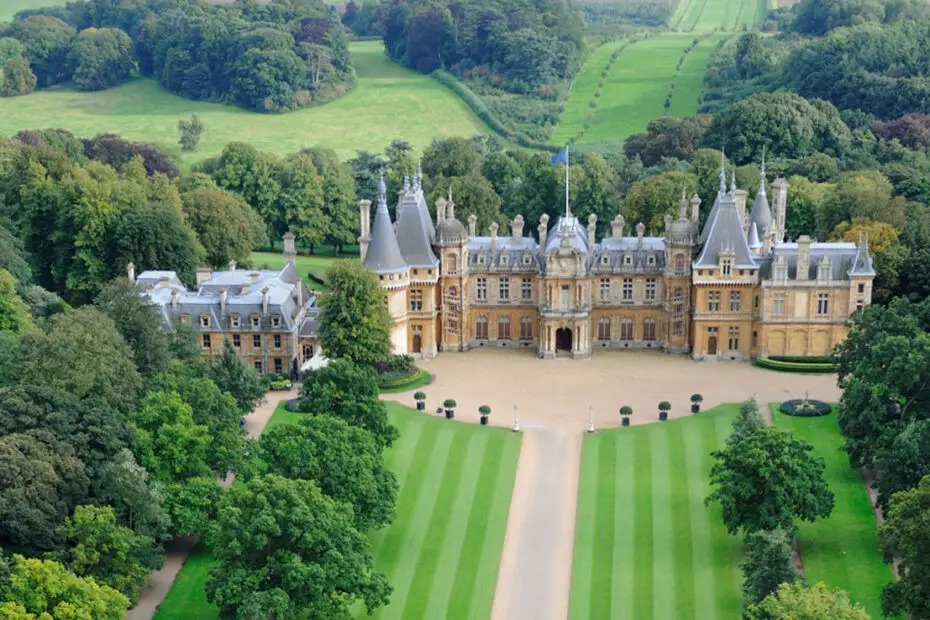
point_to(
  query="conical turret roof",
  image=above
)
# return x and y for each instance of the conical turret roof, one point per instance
(761, 213)
(384, 255)
(725, 235)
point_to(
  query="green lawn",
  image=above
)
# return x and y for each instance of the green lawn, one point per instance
(443, 550)
(305, 264)
(636, 87)
(389, 102)
(645, 544)
(843, 550)
(690, 82)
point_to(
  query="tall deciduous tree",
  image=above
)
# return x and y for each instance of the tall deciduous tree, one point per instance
(18, 78)
(343, 460)
(350, 392)
(285, 540)
(166, 441)
(139, 323)
(47, 41)
(905, 538)
(793, 600)
(472, 195)
(651, 199)
(137, 501)
(191, 131)
(14, 313)
(769, 563)
(227, 227)
(339, 207)
(767, 480)
(231, 375)
(102, 58)
(302, 201)
(354, 322)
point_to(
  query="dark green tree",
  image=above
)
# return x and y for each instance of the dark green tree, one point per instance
(227, 227)
(283, 544)
(905, 536)
(47, 42)
(166, 440)
(903, 463)
(18, 78)
(343, 460)
(191, 131)
(747, 422)
(14, 313)
(192, 504)
(138, 502)
(348, 391)
(767, 480)
(102, 58)
(451, 157)
(231, 375)
(339, 207)
(769, 562)
(794, 600)
(354, 322)
(472, 195)
(139, 323)
(651, 199)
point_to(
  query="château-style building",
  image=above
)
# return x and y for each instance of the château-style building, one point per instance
(269, 316)
(730, 291)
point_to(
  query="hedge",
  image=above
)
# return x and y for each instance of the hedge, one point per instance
(474, 102)
(802, 359)
(809, 408)
(815, 368)
(418, 379)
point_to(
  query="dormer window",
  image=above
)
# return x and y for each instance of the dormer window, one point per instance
(726, 266)
(185, 318)
(781, 271)
(627, 259)
(605, 258)
(481, 258)
(205, 320)
(527, 259)
(234, 321)
(276, 321)
(651, 260)
(504, 259)
(823, 269)
(254, 321)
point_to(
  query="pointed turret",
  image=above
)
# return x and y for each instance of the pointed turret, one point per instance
(683, 206)
(761, 214)
(383, 254)
(733, 181)
(723, 173)
(725, 235)
(415, 231)
(754, 243)
(862, 263)
(418, 176)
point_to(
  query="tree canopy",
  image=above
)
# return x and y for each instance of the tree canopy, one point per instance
(905, 536)
(354, 322)
(794, 600)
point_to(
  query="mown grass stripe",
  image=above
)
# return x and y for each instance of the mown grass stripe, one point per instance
(414, 444)
(441, 587)
(465, 576)
(624, 502)
(642, 528)
(663, 562)
(585, 519)
(495, 528)
(602, 566)
(697, 451)
(402, 544)
(682, 536)
(434, 537)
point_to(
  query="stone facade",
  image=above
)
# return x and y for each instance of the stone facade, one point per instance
(731, 290)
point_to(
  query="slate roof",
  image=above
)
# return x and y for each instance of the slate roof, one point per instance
(725, 234)
(862, 263)
(383, 254)
(761, 214)
(611, 253)
(568, 226)
(754, 242)
(843, 259)
(516, 250)
(413, 237)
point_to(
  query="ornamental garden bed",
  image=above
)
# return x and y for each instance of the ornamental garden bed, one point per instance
(786, 363)
(805, 408)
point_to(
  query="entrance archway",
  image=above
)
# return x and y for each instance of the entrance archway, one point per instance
(712, 345)
(417, 343)
(563, 339)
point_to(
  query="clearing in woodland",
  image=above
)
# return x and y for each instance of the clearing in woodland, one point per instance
(389, 102)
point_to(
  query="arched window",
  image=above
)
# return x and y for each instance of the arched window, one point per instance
(307, 351)
(680, 264)
(649, 329)
(526, 328)
(503, 328)
(481, 328)
(603, 328)
(452, 263)
(626, 329)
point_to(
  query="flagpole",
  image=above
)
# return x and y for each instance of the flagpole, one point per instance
(567, 209)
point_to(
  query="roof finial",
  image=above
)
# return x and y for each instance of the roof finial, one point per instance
(723, 172)
(733, 181)
(418, 177)
(382, 190)
(762, 170)
(406, 182)
(450, 191)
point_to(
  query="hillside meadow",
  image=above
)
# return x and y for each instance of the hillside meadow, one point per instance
(389, 102)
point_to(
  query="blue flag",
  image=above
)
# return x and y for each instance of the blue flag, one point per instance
(559, 158)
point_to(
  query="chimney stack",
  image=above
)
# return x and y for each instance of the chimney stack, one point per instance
(740, 195)
(131, 272)
(232, 265)
(494, 227)
(780, 202)
(265, 301)
(640, 231)
(695, 208)
(543, 229)
(203, 274)
(290, 250)
(255, 276)
(592, 229)
(472, 225)
(450, 207)
(804, 257)
(440, 210)
(516, 228)
(616, 226)
(223, 297)
(174, 299)
(364, 218)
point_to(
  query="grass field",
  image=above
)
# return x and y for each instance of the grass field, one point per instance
(645, 544)
(843, 550)
(690, 82)
(636, 88)
(305, 264)
(443, 550)
(389, 102)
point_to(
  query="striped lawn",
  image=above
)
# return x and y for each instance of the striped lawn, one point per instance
(843, 550)
(443, 550)
(690, 81)
(645, 544)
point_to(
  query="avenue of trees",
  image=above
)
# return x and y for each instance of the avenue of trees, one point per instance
(270, 57)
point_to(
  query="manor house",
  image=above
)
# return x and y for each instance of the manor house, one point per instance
(734, 289)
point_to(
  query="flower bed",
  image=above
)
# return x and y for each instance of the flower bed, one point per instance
(417, 379)
(805, 408)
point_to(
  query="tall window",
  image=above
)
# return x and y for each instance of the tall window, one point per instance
(823, 271)
(726, 266)
(504, 289)
(276, 321)
(256, 341)
(605, 289)
(307, 351)
(481, 328)
(650, 289)
(416, 299)
(234, 321)
(733, 341)
(564, 296)
(526, 328)
(626, 329)
(503, 328)
(452, 311)
(778, 304)
(205, 341)
(452, 263)
(277, 341)
(205, 320)
(781, 272)
(679, 301)
(649, 329)
(237, 341)
(481, 288)
(713, 301)
(823, 304)
(678, 327)
(258, 367)
(627, 289)
(254, 320)
(527, 288)
(603, 328)
(278, 366)
(680, 264)
(736, 301)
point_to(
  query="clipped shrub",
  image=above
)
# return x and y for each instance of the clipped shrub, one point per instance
(800, 367)
(805, 408)
(419, 396)
(665, 405)
(484, 410)
(449, 403)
